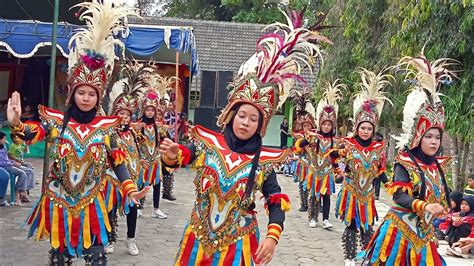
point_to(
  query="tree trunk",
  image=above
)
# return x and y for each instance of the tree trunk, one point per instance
(455, 165)
(464, 161)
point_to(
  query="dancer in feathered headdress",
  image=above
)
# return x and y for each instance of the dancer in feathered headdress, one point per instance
(124, 101)
(71, 211)
(316, 144)
(233, 166)
(420, 190)
(365, 161)
(304, 122)
(153, 131)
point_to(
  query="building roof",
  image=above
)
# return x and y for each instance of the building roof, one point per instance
(221, 46)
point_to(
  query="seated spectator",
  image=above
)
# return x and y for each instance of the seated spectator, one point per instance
(13, 168)
(469, 189)
(461, 223)
(4, 179)
(441, 225)
(16, 153)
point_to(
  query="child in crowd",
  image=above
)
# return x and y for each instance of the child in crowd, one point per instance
(24, 174)
(16, 153)
(441, 225)
(469, 189)
(461, 223)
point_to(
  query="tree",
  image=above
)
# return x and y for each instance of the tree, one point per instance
(374, 34)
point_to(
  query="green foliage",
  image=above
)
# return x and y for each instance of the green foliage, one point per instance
(374, 34)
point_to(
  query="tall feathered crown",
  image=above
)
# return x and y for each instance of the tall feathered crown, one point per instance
(328, 108)
(423, 109)
(91, 60)
(304, 108)
(127, 92)
(157, 95)
(265, 80)
(369, 101)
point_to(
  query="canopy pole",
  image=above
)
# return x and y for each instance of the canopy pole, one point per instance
(176, 86)
(52, 77)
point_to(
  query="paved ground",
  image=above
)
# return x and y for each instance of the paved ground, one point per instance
(158, 239)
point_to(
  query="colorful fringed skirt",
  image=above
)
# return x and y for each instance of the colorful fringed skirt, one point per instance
(113, 196)
(150, 174)
(351, 207)
(73, 229)
(321, 185)
(191, 252)
(398, 243)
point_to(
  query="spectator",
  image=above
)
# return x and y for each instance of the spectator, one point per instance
(284, 133)
(441, 225)
(15, 169)
(15, 153)
(4, 178)
(461, 223)
(469, 189)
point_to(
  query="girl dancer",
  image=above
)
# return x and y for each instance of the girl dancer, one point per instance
(71, 211)
(233, 166)
(406, 237)
(365, 160)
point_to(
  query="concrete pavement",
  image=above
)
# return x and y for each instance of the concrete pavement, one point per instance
(158, 240)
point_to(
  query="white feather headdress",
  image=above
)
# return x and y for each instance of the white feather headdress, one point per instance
(423, 108)
(369, 101)
(91, 60)
(328, 107)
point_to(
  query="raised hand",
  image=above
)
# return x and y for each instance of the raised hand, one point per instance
(169, 149)
(14, 109)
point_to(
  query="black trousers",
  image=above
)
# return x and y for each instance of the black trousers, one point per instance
(132, 221)
(326, 206)
(156, 195)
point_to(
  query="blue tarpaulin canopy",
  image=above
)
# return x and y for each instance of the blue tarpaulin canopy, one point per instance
(26, 38)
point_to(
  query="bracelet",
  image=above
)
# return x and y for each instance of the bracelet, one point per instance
(274, 232)
(169, 161)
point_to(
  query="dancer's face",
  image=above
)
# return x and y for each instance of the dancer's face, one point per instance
(326, 126)
(245, 122)
(307, 126)
(85, 98)
(431, 141)
(150, 112)
(159, 116)
(125, 116)
(365, 130)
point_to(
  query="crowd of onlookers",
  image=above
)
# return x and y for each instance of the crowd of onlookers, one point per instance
(457, 227)
(12, 164)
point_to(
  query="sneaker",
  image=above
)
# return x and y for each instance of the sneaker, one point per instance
(132, 247)
(139, 213)
(326, 224)
(348, 262)
(110, 248)
(159, 214)
(312, 223)
(4, 203)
